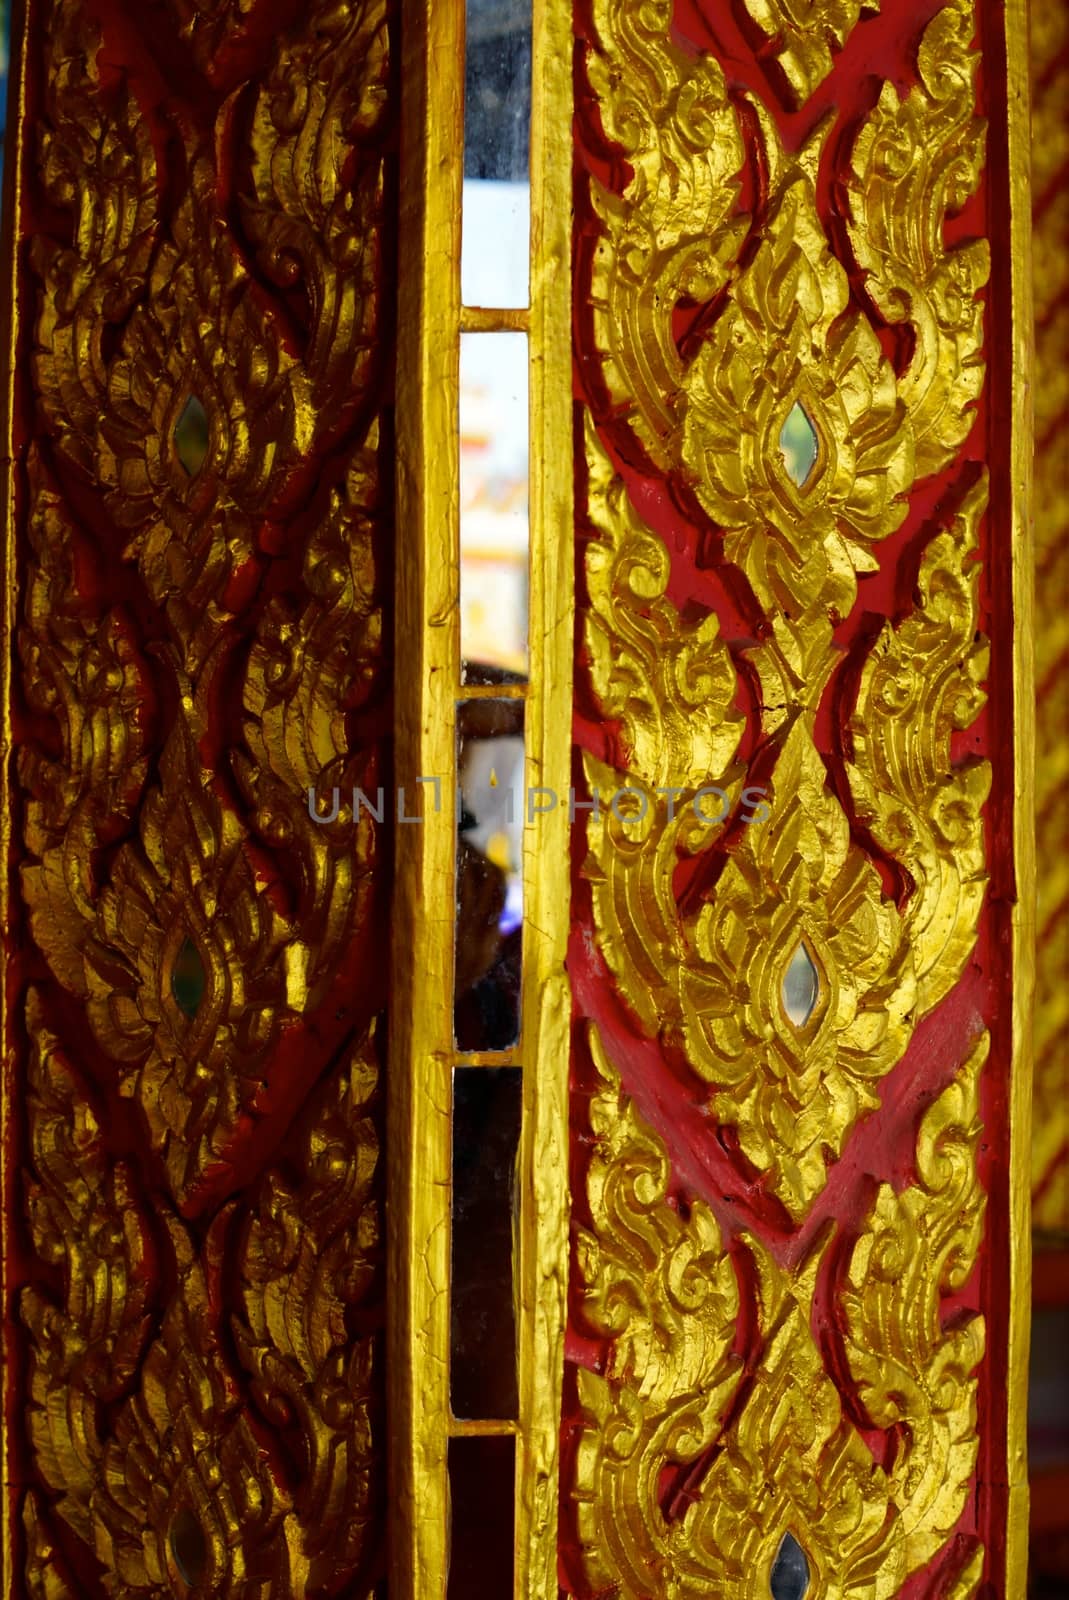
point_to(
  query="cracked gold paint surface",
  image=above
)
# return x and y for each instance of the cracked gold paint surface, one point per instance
(193, 646)
(694, 1463)
(707, 977)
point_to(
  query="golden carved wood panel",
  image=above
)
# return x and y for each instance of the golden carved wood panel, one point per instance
(789, 1301)
(199, 529)
(803, 609)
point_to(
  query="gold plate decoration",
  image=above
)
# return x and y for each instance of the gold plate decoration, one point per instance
(789, 355)
(697, 1459)
(797, 984)
(204, 516)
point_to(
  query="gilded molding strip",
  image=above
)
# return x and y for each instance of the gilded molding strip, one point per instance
(1022, 508)
(1050, 1148)
(426, 681)
(544, 1191)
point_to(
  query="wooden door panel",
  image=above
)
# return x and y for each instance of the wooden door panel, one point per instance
(200, 520)
(801, 564)
(761, 1237)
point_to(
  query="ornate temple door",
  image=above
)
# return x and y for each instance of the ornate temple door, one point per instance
(517, 704)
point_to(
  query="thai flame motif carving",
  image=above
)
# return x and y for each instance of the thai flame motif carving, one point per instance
(921, 683)
(193, 1075)
(693, 1464)
(708, 974)
(670, 686)
(804, 33)
(668, 235)
(915, 162)
(787, 337)
(183, 1449)
(709, 978)
(201, 638)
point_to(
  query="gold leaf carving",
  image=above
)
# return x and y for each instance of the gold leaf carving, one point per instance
(805, 33)
(910, 1369)
(316, 177)
(212, 28)
(45, 1579)
(193, 877)
(788, 337)
(190, 880)
(96, 159)
(309, 668)
(202, 332)
(703, 1508)
(915, 162)
(184, 1447)
(85, 673)
(83, 1221)
(920, 684)
(788, 349)
(184, 1455)
(309, 1262)
(715, 973)
(709, 978)
(201, 635)
(669, 684)
(667, 237)
(664, 1292)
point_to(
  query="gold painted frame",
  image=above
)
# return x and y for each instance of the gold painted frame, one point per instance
(427, 685)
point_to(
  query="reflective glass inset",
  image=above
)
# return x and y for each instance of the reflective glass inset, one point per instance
(801, 987)
(489, 932)
(189, 1547)
(188, 978)
(790, 1571)
(497, 121)
(487, 1107)
(799, 445)
(494, 526)
(191, 436)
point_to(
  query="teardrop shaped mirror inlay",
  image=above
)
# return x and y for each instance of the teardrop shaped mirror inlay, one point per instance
(188, 979)
(801, 987)
(789, 1579)
(799, 445)
(191, 436)
(189, 1547)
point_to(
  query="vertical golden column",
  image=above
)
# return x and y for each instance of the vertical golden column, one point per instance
(1024, 819)
(428, 682)
(16, 119)
(427, 653)
(546, 1004)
